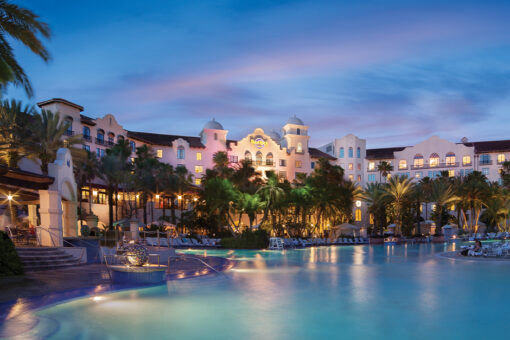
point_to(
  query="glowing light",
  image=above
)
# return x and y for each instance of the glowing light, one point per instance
(358, 204)
(179, 197)
(94, 192)
(9, 197)
(157, 197)
(97, 298)
(195, 199)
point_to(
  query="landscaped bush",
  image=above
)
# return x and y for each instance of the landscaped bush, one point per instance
(258, 239)
(10, 263)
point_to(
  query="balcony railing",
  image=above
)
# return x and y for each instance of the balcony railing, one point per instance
(87, 138)
(439, 165)
(110, 143)
(467, 164)
(99, 141)
(69, 133)
(485, 162)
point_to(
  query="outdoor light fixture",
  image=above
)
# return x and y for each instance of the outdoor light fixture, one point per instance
(94, 192)
(358, 204)
(9, 197)
(195, 199)
(157, 197)
(179, 197)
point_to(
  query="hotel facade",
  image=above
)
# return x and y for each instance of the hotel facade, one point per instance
(286, 153)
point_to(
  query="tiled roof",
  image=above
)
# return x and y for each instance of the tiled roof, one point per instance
(490, 146)
(316, 153)
(167, 140)
(62, 101)
(87, 120)
(383, 153)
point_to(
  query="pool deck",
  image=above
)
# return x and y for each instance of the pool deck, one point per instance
(42, 283)
(454, 255)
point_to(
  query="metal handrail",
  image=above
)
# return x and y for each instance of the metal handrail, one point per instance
(53, 242)
(195, 258)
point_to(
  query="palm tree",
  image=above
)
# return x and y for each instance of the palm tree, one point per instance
(48, 131)
(472, 193)
(425, 187)
(15, 136)
(19, 24)
(376, 199)
(85, 170)
(398, 190)
(443, 194)
(384, 168)
(271, 193)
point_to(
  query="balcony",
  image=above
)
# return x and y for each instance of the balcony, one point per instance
(467, 164)
(87, 138)
(439, 165)
(372, 170)
(99, 141)
(110, 143)
(485, 162)
(68, 133)
(403, 167)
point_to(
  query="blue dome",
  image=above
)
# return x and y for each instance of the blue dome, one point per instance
(213, 125)
(295, 120)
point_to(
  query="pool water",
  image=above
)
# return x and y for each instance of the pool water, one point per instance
(347, 292)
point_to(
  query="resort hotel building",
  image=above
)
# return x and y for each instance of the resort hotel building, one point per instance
(286, 153)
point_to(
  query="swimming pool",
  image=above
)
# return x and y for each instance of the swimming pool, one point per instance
(358, 292)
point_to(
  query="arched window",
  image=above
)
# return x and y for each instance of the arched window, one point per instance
(180, 152)
(434, 160)
(358, 215)
(100, 136)
(86, 133)
(69, 122)
(298, 131)
(402, 164)
(247, 156)
(351, 153)
(342, 152)
(299, 147)
(450, 159)
(111, 138)
(258, 158)
(269, 159)
(418, 161)
(358, 153)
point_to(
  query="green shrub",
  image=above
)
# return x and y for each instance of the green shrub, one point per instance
(257, 239)
(10, 264)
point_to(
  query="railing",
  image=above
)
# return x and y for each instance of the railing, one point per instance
(69, 133)
(439, 165)
(467, 164)
(55, 235)
(372, 170)
(99, 141)
(485, 162)
(110, 143)
(87, 138)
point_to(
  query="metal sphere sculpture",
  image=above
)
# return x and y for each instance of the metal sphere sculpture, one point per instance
(137, 255)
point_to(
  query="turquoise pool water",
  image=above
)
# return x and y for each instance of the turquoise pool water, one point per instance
(348, 292)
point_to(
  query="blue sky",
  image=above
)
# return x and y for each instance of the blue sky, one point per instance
(394, 72)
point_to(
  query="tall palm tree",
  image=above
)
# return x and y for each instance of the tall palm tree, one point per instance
(376, 199)
(15, 135)
(48, 130)
(85, 170)
(19, 24)
(271, 193)
(443, 194)
(472, 193)
(398, 190)
(384, 168)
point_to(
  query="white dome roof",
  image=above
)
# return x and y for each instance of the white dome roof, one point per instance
(295, 120)
(213, 125)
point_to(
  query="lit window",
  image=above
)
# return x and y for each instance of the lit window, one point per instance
(418, 174)
(466, 160)
(258, 158)
(180, 152)
(159, 153)
(350, 166)
(358, 215)
(371, 218)
(359, 166)
(199, 169)
(299, 147)
(501, 158)
(450, 159)
(351, 177)
(418, 161)
(452, 207)
(341, 153)
(402, 164)
(434, 160)
(298, 164)
(359, 178)
(371, 165)
(351, 153)
(198, 181)
(451, 173)
(199, 156)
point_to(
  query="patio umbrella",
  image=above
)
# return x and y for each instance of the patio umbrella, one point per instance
(348, 228)
(391, 228)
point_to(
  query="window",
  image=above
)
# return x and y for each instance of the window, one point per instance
(434, 160)
(283, 162)
(359, 166)
(198, 181)
(132, 145)
(258, 158)
(100, 136)
(199, 169)
(269, 159)
(247, 157)
(181, 152)
(298, 164)
(312, 165)
(111, 138)
(371, 217)
(351, 153)
(86, 133)
(450, 159)
(358, 153)
(485, 171)
(199, 156)
(357, 215)
(351, 177)
(215, 136)
(159, 153)
(485, 159)
(341, 153)
(359, 178)
(371, 166)
(418, 161)
(69, 130)
(466, 160)
(99, 153)
(298, 131)
(402, 164)
(501, 158)
(371, 178)
(451, 173)
(350, 166)
(418, 174)
(299, 147)
(86, 147)
(233, 159)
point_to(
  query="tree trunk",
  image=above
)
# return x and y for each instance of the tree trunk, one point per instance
(110, 206)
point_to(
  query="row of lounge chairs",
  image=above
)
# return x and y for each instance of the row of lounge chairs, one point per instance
(301, 243)
(495, 249)
(183, 242)
(489, 236)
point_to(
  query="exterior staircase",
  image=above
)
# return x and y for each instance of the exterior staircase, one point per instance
(45, 258)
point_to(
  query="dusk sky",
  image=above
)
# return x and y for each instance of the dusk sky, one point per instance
(393, 72)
